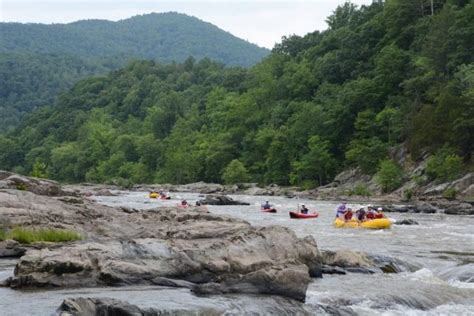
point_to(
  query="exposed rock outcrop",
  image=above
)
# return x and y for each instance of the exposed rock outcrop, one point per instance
(166, 246)
(35, 185)
(11, 248)
(220, 200)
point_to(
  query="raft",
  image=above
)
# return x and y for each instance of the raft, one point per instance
(379, 223)
(154, 195)
(303, 216)
(268, 210)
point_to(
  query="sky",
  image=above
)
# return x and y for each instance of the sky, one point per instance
(262, 22)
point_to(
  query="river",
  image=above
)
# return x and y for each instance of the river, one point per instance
(440, 252)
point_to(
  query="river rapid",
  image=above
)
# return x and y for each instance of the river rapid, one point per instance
(438, 255)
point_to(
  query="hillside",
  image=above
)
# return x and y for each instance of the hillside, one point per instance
(38, 61)
(164, 37)
(382, 78)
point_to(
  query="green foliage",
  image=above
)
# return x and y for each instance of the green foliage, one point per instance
(39, 170)
(360, 189)
(315, 167)
(450, 193)
(383, 75)
(366, 153)
(37, 61)
(235, 172)
(3, 234)
(21, 186)
(407, 194)
(389, 175)
(444, 165)
(27, 235)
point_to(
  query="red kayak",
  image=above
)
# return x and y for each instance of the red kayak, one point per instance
(268, 210)
(301, 215)
(183, 206)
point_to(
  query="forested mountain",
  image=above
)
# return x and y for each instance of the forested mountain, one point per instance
(383, 75)
(37, 61)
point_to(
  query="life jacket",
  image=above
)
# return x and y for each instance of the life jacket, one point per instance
(348, 215)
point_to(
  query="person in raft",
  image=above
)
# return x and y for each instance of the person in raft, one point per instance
(184, 203)
(266, 206)
(379, 213)
(304, 210)
(360, 214)
(371, 213)
(341, 209)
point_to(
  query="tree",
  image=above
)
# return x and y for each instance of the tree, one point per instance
(39, 170)
(235, 172)
(366, 153)
(389, 175)
(316, 167)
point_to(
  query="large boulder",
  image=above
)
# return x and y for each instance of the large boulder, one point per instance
(202, 187)
(220, 200)
(35, 185)
(193, 249)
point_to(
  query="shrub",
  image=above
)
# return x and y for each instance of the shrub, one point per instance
(420, 180)
(2, 235)
(124, 183)
(235, 172)
(450, 193)
(39, 170)
(444, 165)
(21, 186)
(360, 189)
(407, 194)
(389, 175)
(28, 235)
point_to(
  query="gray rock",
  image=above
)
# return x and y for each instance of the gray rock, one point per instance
(220, 200)
(181, 248)
(334, 262)
(35, 185)
(406, 222)
(101, 306)
(104, 192)
(11, 248)
(425, 208)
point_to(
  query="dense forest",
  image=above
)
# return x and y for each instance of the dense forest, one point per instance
(38, 61)
(393, 74)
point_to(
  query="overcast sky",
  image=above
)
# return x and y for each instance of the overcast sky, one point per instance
(263, 22)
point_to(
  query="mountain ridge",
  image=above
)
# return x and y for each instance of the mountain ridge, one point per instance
(39, 61)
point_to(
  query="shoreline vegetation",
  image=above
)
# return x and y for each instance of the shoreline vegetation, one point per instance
(386, 90)
(28, 235)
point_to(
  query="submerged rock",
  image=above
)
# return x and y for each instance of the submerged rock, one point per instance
(102, 307)
(342, 261)
(406, 221)
(220, 200)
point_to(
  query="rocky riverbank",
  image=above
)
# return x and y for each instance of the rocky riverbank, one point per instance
(189, 248)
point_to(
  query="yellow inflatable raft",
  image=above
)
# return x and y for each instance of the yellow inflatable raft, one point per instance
(378, 223)
(154, 195)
